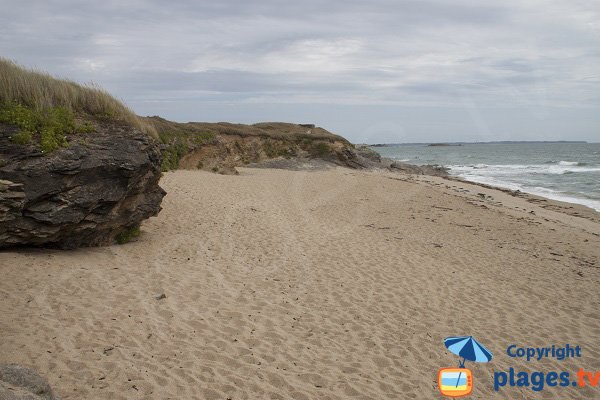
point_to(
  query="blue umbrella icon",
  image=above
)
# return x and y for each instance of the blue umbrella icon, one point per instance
(467, 348)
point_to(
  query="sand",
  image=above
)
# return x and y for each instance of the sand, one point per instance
(334, 284)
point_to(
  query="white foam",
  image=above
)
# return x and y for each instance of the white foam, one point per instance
(568, 163)
(520, 169)
(539, 191)
(569, 170)
(593, 204)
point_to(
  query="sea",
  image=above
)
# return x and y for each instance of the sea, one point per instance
(561, 171)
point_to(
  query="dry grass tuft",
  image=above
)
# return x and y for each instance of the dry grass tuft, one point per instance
(41, 92)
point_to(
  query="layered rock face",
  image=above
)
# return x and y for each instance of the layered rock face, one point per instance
(104, 183)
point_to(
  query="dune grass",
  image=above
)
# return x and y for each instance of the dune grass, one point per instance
(49, 108)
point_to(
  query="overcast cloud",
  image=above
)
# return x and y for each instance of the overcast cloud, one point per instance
(373, 71)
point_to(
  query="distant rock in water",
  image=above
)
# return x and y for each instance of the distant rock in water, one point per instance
(20, 383)
(102, 184)
(443, 144)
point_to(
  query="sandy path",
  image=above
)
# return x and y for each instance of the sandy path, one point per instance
(307, 285)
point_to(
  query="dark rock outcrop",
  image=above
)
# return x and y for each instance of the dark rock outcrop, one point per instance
(368, 153)
(20, 383)
(104, 183)
(433, 170)
(351, 158)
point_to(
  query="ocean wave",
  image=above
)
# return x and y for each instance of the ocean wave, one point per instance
(572, 170)
(521, 169)
(568, 163)
(536, 190)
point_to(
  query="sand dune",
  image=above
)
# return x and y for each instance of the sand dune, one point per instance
(331, 284)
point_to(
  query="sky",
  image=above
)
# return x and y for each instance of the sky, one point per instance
(377, 71)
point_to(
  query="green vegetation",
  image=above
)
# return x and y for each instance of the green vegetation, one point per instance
(47, 106)
(201, 138)
(22, 137)
(179, 139)
(172, 155)
(320, 149)
(128, 234)
(272, 130)
(279, 148)
(270, 149)
(51, 126)
(200, 165)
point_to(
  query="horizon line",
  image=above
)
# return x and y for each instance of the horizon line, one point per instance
(441, 144)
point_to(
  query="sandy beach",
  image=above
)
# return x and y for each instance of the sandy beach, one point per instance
(332, 284)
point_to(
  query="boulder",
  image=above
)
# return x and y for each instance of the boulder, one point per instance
(432, 170)
(21, 383)
(103, 183)
(368, 153)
